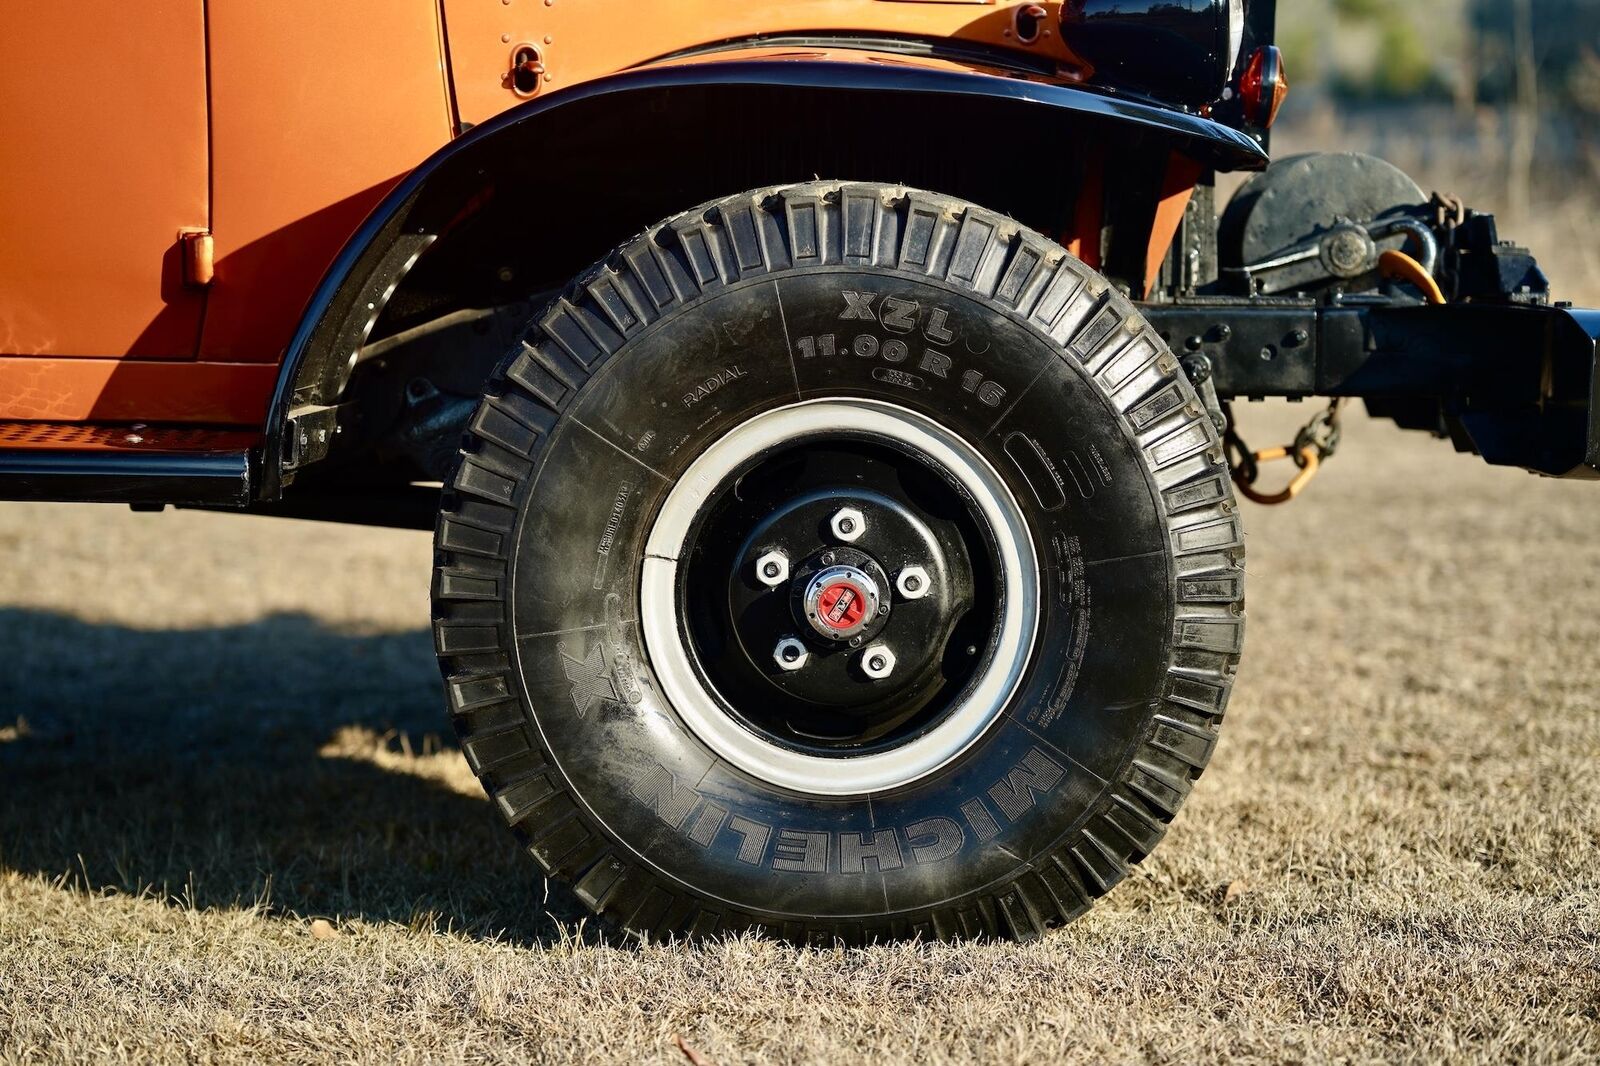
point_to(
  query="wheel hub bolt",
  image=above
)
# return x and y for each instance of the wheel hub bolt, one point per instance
(848, 524)
(790, 654)
(912, 583)
(877, 661)
(772, 569)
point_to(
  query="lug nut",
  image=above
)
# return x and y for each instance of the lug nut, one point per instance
(848, 524)
(912, 583)
(772, 569)
(790, 654)
(877, 662)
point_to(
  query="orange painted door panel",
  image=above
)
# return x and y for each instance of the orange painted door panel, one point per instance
(318, 108)
(103, 133)
(577, 40)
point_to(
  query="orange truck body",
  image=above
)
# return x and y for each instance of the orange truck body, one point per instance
(262, 134)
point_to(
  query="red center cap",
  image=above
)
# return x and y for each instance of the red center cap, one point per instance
(841, 605)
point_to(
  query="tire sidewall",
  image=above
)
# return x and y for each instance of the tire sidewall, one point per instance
(1096, 672)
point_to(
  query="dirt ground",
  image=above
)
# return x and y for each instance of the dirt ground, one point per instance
(215, 731)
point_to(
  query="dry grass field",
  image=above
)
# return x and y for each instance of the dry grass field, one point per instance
(230, 830)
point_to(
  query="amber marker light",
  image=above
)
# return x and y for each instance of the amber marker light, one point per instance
(1263, 86)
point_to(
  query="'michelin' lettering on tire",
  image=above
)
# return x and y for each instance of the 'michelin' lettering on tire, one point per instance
(929, 841)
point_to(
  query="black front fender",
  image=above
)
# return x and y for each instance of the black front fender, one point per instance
(353, 293)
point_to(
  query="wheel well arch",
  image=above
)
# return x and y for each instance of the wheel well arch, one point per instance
(520, 204)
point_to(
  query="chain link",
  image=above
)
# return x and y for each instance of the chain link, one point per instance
(1316, 442)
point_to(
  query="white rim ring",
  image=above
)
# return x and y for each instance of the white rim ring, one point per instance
(985, 697)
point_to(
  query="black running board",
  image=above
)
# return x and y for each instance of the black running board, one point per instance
(215, 479)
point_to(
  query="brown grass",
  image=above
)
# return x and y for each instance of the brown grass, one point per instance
(220, 729)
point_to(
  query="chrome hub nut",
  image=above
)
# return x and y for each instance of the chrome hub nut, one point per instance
(877, 661)
(912, 583)
(790, 654)
(772, 569)
(848, 524)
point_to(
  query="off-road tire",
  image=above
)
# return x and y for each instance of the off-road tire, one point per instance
(690, 329)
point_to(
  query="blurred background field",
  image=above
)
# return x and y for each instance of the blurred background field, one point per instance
(1497, 101)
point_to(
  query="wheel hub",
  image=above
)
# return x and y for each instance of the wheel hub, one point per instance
(836, 599)
(842, 595)
(841, 514)
(840, 602)
(839, 596)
